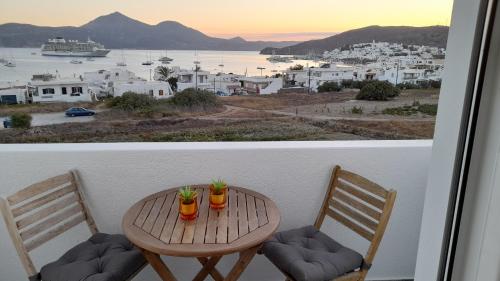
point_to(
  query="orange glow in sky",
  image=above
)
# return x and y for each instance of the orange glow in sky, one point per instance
(255, 19)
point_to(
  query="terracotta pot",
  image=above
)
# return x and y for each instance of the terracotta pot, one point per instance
(218, 201)
(188, 211)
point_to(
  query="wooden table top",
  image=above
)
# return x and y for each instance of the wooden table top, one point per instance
(154, 224)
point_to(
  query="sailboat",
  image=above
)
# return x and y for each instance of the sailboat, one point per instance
(122, 62)
(10, 63)
(149, 61)
(165, 59)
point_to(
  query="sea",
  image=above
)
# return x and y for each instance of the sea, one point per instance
(29, 61)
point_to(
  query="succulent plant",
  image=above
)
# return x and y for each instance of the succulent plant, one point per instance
(187, 194)
(218, 186)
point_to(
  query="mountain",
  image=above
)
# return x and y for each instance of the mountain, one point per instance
(118, 31)
(430, 36)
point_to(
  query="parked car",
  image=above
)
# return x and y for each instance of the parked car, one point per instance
(7, 123)
(79, 111)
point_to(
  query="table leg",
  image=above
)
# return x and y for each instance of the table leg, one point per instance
(159, 266)
(209, 268)
(246, 257)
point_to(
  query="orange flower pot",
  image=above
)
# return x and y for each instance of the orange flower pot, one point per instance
(188, 211)
(218, 201)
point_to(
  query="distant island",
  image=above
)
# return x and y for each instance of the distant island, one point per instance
(435, 36)
(117, 31)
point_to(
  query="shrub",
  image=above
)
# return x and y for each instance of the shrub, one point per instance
(21, 120)
(357, 110)
(329, 87)
(297, 67)
(409, 86)
(130, 101)
(429, 109)
(378, 90)
(194, 98)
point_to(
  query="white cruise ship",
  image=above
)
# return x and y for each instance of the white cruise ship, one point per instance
(73, 48)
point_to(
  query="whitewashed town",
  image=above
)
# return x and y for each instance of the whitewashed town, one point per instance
(396, 63)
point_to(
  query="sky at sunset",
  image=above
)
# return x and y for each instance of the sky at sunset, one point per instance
(253, 20)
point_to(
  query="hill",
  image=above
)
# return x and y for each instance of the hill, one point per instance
(430, 36)
(118, 31)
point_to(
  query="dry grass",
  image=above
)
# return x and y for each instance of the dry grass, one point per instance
(280, 101)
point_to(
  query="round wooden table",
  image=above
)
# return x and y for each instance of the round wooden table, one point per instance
(153, 224)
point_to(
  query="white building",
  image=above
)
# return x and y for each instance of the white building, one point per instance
(224, 83)
(187, 78)
(261, 85)
(60, 90)
(14, 95)
(102, 82)
(156, 89)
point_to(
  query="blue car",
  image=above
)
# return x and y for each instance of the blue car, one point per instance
(7, 123)
(79, 111)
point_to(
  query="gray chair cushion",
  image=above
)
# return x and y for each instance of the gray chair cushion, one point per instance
(103, 257)
(307, 254)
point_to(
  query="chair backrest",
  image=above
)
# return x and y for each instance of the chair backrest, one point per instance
(361, 205)
(42, 211)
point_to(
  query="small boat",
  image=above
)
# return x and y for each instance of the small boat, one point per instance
(165, 59)
(148, 61)
(10, 64)
(76, 62)
(33, 53)
(90, 59)
(122, 62)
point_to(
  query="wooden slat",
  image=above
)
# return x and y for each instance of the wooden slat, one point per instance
(222, 227)
(33, 244)
(242, 214)
(363, 183)
(47, 211)
(26, 261)
(261, 211)
(143, 215)
(354, 227)
(51, 221)
(189, 227)
(211, 233)
(232, 232)
(38, 188)
(357, 205)
(361, 195)
(178, 231)
(153, 214)
(253, 221)
(201, 222)
(37, 203)
(162, 217)
(353, 214)
(75, 179)
(166, 233)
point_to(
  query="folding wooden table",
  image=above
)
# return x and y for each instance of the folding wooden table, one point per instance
(153, 224)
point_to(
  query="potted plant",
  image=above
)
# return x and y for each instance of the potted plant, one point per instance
(218, 194)
(188, 205)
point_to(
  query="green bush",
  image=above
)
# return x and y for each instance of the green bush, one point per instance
(329, 87)
(130, 101)
(378, 90)
(351, 84)
(21, 120)
(357, 110)
(194, 98)
(429, 109)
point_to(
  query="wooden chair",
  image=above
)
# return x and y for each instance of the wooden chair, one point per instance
(44, 210)
(361, 205)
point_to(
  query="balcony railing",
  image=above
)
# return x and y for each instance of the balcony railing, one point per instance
(293, 174)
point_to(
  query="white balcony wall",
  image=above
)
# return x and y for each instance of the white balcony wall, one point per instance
(294, 174)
